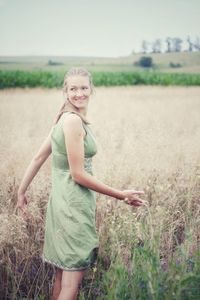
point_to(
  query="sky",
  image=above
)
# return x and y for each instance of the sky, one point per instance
(104, 28)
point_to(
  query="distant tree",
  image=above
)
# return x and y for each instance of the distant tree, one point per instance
(190, 44)
(175, 65)
(169, 44)
(50, 62)
(144, 46)
(197, 44)
(145, 62)
(54, 63)
(176, 42)
(156, 46)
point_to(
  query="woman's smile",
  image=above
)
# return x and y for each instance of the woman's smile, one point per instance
(80, 99)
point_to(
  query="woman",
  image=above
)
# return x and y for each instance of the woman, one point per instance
(71, 241)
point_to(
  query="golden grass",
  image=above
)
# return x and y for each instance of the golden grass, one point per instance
(148, 138)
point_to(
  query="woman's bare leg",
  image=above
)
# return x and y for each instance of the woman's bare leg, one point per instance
(57, 284)
(70, 284)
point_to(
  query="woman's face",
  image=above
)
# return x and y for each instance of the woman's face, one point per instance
(78, 90)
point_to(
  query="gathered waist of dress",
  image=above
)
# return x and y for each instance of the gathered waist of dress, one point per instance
(61, 162)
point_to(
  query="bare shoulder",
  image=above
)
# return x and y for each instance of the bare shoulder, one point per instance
(72, 123)
(72, 120)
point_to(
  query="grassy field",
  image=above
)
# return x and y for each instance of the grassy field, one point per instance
(37, 72)
(148, 138)
(190, 63)
(32, 79)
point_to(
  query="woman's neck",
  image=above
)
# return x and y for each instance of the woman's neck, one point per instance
(83, 111)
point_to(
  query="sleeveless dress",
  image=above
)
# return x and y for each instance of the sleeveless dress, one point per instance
(71, 241)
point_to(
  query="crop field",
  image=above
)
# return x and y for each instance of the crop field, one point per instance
(148, 138)
(24, 79)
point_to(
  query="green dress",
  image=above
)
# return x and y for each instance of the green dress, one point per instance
(70, 241)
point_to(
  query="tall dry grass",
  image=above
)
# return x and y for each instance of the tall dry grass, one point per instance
(148, 138)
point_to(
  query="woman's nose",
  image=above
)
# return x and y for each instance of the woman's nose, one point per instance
(79, 93)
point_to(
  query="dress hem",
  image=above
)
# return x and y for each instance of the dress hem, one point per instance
(44, 259)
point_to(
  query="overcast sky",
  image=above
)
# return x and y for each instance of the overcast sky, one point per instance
(92, 27)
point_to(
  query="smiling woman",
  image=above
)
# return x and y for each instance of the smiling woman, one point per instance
(77, 88)
(71, 241)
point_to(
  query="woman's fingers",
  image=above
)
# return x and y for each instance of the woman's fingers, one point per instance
(135, 202)
(22, 208)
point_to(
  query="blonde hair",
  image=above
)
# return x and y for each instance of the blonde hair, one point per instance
(67, 106)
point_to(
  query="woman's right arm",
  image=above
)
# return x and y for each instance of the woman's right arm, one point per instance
(32, 169)
(74, 140)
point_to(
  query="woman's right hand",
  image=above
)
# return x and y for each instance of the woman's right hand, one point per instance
(131, 197)
(22, 203)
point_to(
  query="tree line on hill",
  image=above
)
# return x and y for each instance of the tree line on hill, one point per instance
(172, 44)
